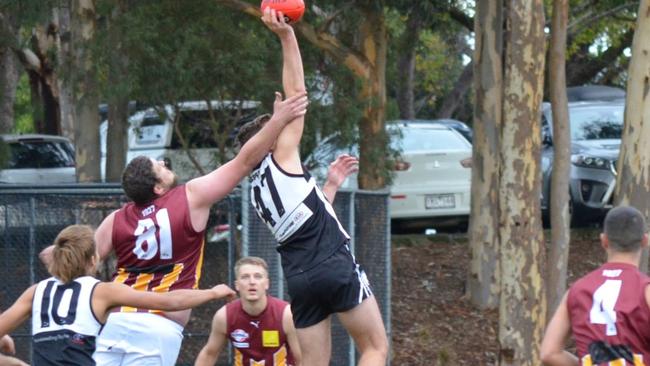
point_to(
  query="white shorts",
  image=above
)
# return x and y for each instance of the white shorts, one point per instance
(138, 339)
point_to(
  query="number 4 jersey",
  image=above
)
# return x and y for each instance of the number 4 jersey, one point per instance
(64, 326)
(156, 246)
(610, 318)
(297, 213)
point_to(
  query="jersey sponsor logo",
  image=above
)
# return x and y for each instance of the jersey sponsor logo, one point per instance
(239, 335)
(612, 272)
(270, 338)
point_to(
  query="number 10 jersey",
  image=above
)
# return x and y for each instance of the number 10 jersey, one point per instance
(297, 213)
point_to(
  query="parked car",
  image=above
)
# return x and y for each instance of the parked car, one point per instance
(596, 128)
(432, 176)
(152, 132)
(38, 159)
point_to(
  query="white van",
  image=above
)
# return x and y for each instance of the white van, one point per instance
(158, 132)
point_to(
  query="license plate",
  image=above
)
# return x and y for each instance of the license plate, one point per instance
(434, 201)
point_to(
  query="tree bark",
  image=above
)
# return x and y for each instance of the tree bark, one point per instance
(84, 93)
(8, 82)
(522, 307)
(373, 139)
(118, 104)
(633, 183)
(559, 214)
(62, 19)
(454, 98)
(484, 276)
(406, 66)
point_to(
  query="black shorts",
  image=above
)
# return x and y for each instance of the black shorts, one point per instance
(337, 284)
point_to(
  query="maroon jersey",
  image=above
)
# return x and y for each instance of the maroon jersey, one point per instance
(258, 340)
(609, 316)
(157, 249)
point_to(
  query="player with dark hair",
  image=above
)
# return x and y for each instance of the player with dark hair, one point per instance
(69, 309)
(608, 310)
(322, 275)
(259, 326)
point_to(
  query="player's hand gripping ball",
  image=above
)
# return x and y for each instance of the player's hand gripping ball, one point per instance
(292, 9)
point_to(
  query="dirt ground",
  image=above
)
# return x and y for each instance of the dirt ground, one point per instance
(432, 324)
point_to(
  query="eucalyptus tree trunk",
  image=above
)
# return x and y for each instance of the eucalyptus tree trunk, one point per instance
(560, 217)
(8, 83)
(61, 17)
(406, 66)
(118, 102)
(633, 183)
(84, 93)
(484, 276)
(522, 306)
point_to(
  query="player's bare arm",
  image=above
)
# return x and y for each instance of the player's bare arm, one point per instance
(217, 340)
(338, 171)
(292, 337)
(20, 311)
(553, 351)
(104, 236)
(110, 294)
(204, 191)
(287, 150)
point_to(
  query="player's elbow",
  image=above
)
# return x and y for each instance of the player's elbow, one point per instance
(547, 356)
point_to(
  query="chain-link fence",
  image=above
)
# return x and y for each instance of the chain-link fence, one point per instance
(31, 217)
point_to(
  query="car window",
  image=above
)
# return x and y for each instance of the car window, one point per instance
(596, 123)
(40, 154)
(427, 140)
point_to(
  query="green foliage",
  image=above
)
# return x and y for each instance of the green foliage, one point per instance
(23, 110)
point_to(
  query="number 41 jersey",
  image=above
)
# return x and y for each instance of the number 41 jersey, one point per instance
(157, 248)
(610, 317)
(297, 213)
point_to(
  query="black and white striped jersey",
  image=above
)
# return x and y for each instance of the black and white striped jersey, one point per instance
(297, 213)
(64, 326)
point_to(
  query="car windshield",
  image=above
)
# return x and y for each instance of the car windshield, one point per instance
(427, 140)
(39, 153)
(596, 123)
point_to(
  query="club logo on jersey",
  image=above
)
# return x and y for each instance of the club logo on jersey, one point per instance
(270, 338)
(240, 338)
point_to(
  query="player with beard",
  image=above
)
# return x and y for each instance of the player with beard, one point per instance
(158, 239)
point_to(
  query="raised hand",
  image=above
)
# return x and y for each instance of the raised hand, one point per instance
(341, 168)
(291, 108)
(275, 21)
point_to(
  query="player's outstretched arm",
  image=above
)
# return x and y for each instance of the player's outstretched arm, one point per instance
(287, 150)
(210, 352)
(292, 336)
(338, 171)
(111, 294)
(557, 333)
(104, 236)
(203, 192)
(18, 312)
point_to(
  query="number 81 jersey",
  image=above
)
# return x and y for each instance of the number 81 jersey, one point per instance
(157, 248)
(610, 317)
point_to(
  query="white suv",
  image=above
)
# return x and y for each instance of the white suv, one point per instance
(38, 159)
